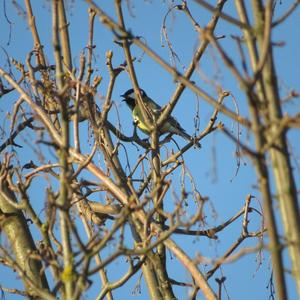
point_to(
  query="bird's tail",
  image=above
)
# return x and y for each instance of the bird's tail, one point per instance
(187, 137)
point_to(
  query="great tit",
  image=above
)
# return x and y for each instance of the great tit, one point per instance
(170, 126)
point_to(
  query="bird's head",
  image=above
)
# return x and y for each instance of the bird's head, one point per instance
(129, 97)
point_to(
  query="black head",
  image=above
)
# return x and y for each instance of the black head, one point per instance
(129, 97)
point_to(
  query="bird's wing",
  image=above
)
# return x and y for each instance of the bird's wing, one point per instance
(153, 106)
(175, 124)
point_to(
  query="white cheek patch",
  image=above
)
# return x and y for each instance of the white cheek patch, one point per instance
(132, 95)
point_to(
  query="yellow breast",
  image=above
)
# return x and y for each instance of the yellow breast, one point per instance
(139, 120)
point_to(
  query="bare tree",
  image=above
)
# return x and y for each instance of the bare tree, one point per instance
(70, 209)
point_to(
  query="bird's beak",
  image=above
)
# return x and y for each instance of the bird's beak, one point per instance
(123, 96)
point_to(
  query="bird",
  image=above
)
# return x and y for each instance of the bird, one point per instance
(171, 125)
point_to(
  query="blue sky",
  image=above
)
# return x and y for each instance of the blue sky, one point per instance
(214, 166)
